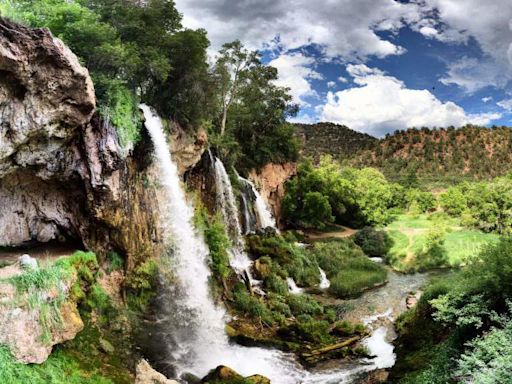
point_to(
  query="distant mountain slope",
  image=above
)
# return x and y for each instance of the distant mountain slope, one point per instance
(471, 151)
(337, 140)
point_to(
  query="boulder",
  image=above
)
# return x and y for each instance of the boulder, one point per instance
(227, 375)
(145, 374)
(22, 328)
(28, 262)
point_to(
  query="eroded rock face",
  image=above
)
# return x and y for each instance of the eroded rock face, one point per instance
(62, 174)
(270, 182)
(45, 96)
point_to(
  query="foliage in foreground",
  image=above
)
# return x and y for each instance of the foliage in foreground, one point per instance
(463, 320)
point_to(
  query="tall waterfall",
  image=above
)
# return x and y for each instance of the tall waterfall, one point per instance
(197, 325)
(263, 211)
(227, 203)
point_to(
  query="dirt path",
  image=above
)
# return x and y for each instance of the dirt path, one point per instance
(343, 233)
(41, 252)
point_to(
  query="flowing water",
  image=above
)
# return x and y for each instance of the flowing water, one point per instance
(195, 331)
(227, 203)
(262, 210)
(292, 287)
(324, 281)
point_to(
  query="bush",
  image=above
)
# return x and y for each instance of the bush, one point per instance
(304, 305)
(373, 242)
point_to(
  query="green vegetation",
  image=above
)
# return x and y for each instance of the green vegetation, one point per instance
(442, 156)
(60, 368)
(348, 268)
(329, 192)
(461, 325)
(432, 240)
(139, 51)
(483, 205)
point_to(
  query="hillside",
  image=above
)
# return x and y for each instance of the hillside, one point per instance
(328, 138)
(441, 154)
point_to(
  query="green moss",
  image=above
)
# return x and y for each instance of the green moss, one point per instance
(60, 368)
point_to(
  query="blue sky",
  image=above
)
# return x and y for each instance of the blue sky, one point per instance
(377, 65)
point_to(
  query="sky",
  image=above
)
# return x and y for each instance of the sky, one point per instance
(377, 65)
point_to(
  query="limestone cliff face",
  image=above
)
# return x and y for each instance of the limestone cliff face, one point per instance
(270, 182)
(62, 174)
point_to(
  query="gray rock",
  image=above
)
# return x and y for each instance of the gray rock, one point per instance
(28, 262)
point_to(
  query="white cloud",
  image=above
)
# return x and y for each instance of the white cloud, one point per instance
(341, 28)
(342, 79)
(331, 84)
(383, 104)
(295, 71)
(505, 104)
(488, 22)
(486, 99)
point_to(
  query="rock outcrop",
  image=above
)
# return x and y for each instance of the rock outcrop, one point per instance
(62, 173)
(270, 182)
(145, 374)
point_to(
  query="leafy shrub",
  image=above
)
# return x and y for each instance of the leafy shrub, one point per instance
(373, 242)
(304, 305)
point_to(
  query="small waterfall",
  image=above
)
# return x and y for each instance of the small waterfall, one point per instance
(264, 215)
(324, 281)
(195, 323)
(227, 204)
(292, 287)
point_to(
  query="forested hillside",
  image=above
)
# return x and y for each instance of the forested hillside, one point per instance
(469, 152)
(332, 139)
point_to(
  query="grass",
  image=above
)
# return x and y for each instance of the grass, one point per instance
(410, 235)
(33, 285)
(348, 268)
(60, 368)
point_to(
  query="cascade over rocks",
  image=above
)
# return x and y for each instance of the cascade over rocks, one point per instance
(270, 180)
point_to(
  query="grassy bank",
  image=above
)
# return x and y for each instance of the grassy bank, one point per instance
(433, 240)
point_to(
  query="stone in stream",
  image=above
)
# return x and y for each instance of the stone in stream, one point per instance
(145, 374)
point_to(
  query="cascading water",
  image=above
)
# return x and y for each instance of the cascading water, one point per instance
(227, 203)
(324, 281)
(292, 287)
(197, 326)
(264, 215)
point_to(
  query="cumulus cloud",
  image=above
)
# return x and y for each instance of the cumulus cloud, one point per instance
(486, 99)
(488, 22)
(342, 79)
(295, 72)
(383, 104)
(331, 84)
(505, 104)
(342, 28)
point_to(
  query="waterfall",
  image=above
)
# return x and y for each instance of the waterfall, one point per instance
(324, 281)
(263, 211)
(197, 324)
(230, 215)
(292, 287)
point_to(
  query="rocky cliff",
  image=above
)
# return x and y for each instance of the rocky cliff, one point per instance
(270, 181)
(62, 173)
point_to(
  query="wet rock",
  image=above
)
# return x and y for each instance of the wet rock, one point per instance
(262, 269)
(106, 346)
(145, 374)
(227, 375)
(258, 379)
(270, 180)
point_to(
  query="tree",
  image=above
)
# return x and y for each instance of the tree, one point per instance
(230, 71)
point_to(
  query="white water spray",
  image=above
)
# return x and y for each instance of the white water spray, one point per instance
(227, 203)
(324, 281)
(201, 341)
(262, 210)
(292, 287)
